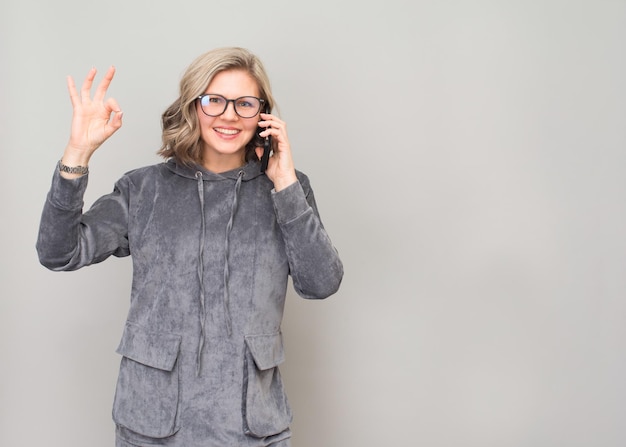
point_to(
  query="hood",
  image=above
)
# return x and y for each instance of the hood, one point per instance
(251, 170)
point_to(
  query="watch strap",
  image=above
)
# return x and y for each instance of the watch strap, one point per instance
(81, 170)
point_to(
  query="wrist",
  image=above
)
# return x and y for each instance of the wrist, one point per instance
(282, 183)
(76, 156)
(74, 162)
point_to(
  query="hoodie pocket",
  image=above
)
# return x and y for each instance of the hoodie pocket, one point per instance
(265, 407)
(146, 399)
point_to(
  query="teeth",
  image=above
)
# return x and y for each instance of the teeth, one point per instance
(227, 131)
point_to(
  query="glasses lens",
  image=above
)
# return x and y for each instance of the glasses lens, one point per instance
(247, 106)
(213, 105)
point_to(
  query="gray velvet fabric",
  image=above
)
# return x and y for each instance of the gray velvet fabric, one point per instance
(211, 258)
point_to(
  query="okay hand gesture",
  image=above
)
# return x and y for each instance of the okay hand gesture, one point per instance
(93, 120)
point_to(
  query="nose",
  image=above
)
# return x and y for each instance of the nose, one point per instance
(230, 113)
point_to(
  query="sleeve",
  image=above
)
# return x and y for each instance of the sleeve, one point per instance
(69, 239)
(314, 263)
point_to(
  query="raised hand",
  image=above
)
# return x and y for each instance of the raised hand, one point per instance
(93, 120)
(280, 168)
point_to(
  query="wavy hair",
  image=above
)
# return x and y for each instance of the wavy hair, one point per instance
(181, 137)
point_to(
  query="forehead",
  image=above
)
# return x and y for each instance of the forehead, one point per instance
(233, 83)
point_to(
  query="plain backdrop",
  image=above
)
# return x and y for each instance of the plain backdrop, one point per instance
(468, 159)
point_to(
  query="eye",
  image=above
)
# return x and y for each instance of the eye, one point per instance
(206, 100)
(248, 102)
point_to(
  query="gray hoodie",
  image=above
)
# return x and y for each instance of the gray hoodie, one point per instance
(211, 257)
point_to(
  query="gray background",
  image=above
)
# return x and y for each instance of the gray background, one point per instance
(468, 160)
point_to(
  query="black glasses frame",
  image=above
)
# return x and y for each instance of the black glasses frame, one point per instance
(234, 101)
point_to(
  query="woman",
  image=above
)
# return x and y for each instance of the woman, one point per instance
(213, 240)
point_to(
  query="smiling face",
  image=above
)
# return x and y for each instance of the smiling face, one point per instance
(224, 137)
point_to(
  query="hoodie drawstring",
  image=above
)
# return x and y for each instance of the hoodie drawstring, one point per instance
(226, 297)
(201, 272)
(229, 227)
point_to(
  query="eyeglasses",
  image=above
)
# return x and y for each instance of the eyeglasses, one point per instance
(215, 105)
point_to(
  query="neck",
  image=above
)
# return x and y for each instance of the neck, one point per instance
(223, 164)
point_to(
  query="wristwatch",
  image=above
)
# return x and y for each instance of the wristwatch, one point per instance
(81, 170)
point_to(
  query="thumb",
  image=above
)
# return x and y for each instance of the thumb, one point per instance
(116, 121)
(115, 115)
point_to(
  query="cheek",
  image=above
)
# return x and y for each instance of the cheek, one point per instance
(253, 131)
(206, 128)
(251, 126)
(204, 120)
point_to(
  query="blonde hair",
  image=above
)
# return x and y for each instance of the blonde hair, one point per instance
(181, 138)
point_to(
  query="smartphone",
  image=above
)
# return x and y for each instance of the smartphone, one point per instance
(267, 146)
